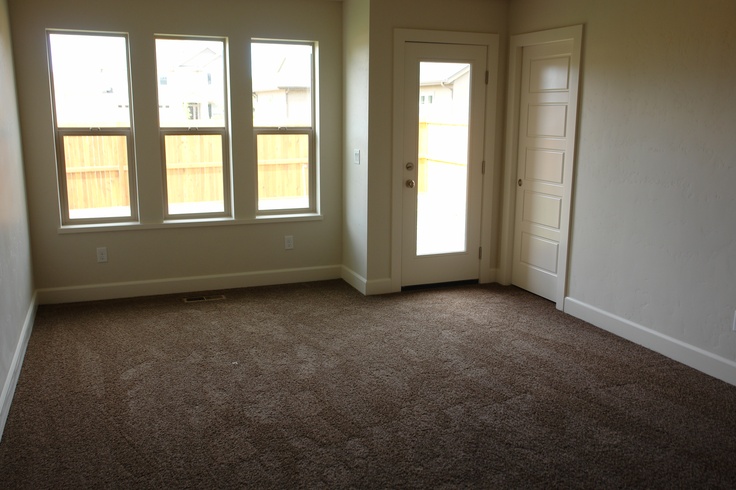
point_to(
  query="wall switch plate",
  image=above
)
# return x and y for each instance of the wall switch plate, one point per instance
(288, 242)
(356, 157)
(101, 254)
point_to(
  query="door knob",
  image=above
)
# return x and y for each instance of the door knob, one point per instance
(410, 184)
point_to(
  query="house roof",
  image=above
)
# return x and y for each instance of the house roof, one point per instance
(202, 59)
(432, 73)
(188, 55)
(281, 67)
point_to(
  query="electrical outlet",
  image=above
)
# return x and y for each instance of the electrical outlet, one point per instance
(288, 242)
(101, 254)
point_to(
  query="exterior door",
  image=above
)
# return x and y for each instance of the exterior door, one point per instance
(548, 94)
(444, 112)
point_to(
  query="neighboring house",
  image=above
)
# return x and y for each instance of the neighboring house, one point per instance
(443, 92)
(191, 90)
(90, 94)
(281, 87)
(443, 123)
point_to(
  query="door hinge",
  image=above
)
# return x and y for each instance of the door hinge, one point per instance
(480, 253)
(483, 168)
(487, 75)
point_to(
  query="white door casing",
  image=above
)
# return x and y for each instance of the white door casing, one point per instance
(407, 266)
(543, 93)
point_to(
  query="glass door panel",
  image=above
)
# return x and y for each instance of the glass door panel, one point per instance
(442, 177)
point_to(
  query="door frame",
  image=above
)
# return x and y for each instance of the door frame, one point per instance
(491, 41)
(508, 206)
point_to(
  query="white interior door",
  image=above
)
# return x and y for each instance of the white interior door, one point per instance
(546, 137)
(444, 112)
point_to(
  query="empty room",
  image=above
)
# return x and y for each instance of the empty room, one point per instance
(363, 243)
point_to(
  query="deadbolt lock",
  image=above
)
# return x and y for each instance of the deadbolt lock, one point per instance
(409, 165)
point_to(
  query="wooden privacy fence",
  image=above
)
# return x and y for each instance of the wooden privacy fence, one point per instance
(194, 168)
(96, 171)
(443, 153)
(283, 165)
(97, 166)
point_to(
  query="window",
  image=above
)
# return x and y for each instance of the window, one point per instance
(94, 140)
(283, 122)
(93, 124)
(193, 125)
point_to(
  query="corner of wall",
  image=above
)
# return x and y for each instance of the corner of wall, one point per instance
(17, 300)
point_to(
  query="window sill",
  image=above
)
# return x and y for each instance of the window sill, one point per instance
(188, 223)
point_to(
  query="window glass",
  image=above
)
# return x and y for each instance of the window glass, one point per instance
(193, 120)
(194, 178)
(191, 88)
(89, 76)
(283, 102)
(282, 84)
(283, 171)
(96, 170)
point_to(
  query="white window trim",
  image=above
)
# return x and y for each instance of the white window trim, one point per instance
(59, 133)
(223, 131)
(313, 195)
(232, 215)
(312, 172)
(226, 172)
(66, 218)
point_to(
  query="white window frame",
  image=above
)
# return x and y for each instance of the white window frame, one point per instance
(60, 133)
(310, 131)
(224, 133)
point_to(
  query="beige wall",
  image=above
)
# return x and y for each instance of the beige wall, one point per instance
(654, 210)
(169, 258)
(16, 279)
(356, 49)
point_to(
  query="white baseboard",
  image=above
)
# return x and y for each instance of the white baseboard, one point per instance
(695, 357)
(94, 292)
(365, 286)
(354, 279)
(11, 380)
(381, 286)
(386, 285)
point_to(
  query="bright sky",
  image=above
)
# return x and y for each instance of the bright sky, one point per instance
(89, 63)
(266, 59)
(431, 71)
(171, 53)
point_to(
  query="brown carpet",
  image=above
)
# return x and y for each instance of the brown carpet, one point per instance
(315, 386)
